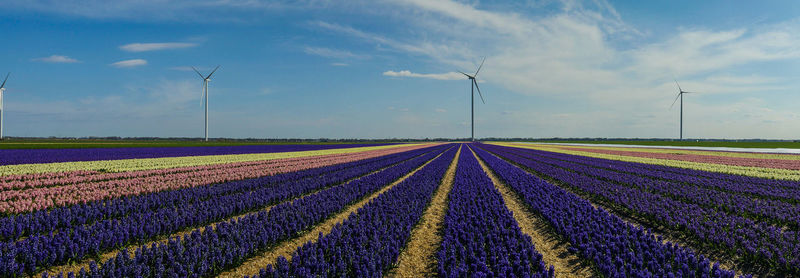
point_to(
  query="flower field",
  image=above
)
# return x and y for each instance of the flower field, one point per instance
(398, 210)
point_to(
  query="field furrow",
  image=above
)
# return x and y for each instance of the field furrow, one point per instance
(554, 250)
(418, 258)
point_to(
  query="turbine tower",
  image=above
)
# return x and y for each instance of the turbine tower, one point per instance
(473, 86)
(680, 95)
(2, 89)
(206, 79)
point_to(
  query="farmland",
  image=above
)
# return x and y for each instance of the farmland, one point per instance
(398, 210)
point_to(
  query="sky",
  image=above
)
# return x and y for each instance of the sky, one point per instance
(389, 68)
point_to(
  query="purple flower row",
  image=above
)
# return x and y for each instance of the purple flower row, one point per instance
(30, 156)
(481, 237)
(230, 243)
(759, 187)
(16, 226)
(763, 246)
(617, 248)
(761, 209)
(73, 243)
(368, 242)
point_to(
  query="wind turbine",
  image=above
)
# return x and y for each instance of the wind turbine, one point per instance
(2, 89)
(206, 79)
(474, 85)
(680, 95)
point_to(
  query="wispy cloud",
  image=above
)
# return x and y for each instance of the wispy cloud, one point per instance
(437, 76)
(333, 53)
(171, 11)
(56, 59)
(129, 63)
(440, 110)
(340, 64)
(142, 47)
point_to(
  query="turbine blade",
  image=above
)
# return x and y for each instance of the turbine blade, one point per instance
(479, 90)
(673, 102)
(4, 81)
(479, 68)
(467, 75)
(212, 72)
(679, 85)
(689, 92)
(198, 73)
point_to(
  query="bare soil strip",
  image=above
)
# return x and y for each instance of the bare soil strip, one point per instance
(132, 248)
(545, 240)
(418, 259)
(666, 234)
(287, 248)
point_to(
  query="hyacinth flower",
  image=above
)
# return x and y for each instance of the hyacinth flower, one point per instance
(593, 233)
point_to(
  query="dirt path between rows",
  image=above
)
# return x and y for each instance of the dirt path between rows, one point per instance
(164, 239)
(286, 249)
(664, 233)
(553, 249)
(418, 259)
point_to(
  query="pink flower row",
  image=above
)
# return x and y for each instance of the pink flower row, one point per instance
(89, 189)
(724, 160)
(65, 178)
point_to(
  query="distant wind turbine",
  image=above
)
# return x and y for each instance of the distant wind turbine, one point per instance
(474, 85)
(206, 79)
(680, 95)
(2, 89)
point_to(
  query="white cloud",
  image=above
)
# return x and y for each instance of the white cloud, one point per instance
(56, 59)
(438, 76)
(616, 79)
(333, 53)
(141, 47)
(339, 64)
(203, 11)
(129, 63)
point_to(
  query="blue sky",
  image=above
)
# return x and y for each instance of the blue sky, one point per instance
(388, 69)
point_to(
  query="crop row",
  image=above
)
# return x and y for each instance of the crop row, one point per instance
(751, 185)
(765, 245)
(108, 186)
(481, 237)
(14, 227)
(30, 156)
(725, 195)
(617, 248)
(124, 165)
(791, 164)
(75, 242)
(769, 173)
(659, 149)
(229, 243)
(369, 241)
(687, 175)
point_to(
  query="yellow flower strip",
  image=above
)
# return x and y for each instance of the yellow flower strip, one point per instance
(710, 167)
(124, 165)
(697, 152)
